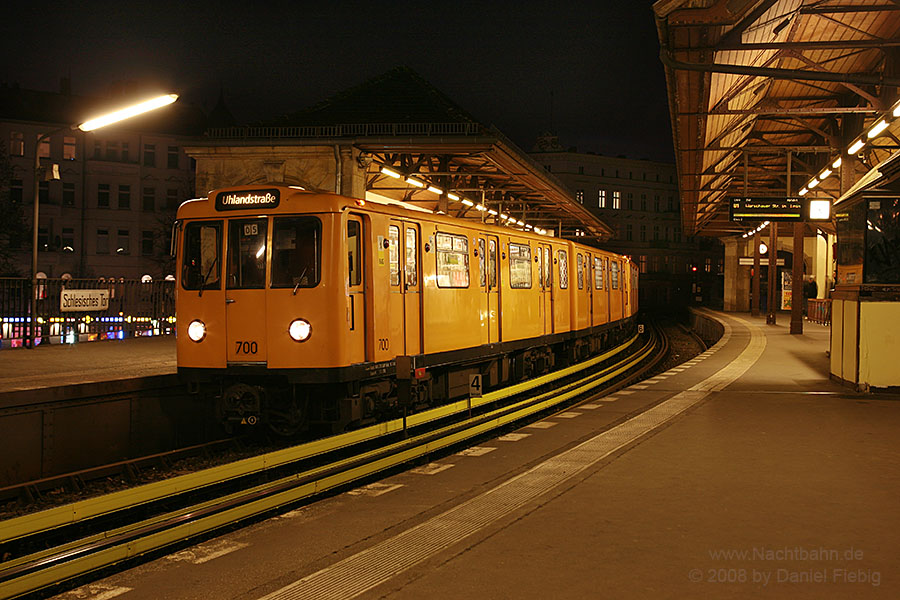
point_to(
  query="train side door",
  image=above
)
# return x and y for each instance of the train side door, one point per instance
(545, 262)
(412, 297)
(354, 246)
(490, 286)
(245, 291)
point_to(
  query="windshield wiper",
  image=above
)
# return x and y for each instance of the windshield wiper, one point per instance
(206, 277)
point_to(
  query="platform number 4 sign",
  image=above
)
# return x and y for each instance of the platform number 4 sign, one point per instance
(475, 386)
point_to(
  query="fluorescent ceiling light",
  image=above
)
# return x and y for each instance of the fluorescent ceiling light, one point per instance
(878, 128)
(856, 146)
(391, 173)
(468, 202)
(435, 190)
(453, 196)
(837, 163)
(824, 175)
(415, 182)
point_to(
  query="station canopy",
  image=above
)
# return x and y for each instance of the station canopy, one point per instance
(766, 95)
(411, 138)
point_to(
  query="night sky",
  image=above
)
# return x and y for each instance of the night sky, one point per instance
(500, 61)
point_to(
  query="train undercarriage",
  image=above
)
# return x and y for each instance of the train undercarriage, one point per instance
(290, 404)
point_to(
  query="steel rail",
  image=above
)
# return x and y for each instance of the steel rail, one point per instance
(79, 557)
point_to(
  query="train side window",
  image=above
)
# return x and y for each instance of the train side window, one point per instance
(548, 270)
(598, 273)
(492, 264)
(296, 252)
(412, 253)
(247, 241)
(614, 274)
(452, 260)
(579, 270)
(394, 253)
(563, 260)
(201, 265)
(482, 259)
(354, 256)
(519, 266)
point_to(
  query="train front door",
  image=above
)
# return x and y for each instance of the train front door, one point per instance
(245, 291)
(354, 244)
(545, 262)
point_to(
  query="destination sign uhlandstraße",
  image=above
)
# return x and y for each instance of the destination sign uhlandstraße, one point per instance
(238, 200)
(766, 209)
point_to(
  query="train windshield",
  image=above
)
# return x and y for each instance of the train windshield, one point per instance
(296, 252)
(201, 265)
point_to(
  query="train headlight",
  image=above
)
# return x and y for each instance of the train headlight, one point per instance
(197, 331)
(300, 330)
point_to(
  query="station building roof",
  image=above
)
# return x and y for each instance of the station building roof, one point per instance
(766, 95)
(408, 131)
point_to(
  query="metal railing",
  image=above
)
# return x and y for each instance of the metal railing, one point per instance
(83, 310)
(353, 129)
(819, 310)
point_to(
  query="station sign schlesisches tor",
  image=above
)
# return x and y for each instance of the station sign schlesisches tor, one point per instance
(243, 199)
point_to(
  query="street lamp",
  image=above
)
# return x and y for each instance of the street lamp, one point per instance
(103, 121)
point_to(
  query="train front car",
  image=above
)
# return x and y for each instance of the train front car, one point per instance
(256, 292)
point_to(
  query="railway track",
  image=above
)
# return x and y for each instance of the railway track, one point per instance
(43, 552)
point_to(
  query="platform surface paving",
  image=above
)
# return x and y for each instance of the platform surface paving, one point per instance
(746, 473)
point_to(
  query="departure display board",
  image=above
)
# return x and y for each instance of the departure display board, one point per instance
(766, 209)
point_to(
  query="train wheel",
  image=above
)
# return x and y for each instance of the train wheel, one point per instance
(287, 417)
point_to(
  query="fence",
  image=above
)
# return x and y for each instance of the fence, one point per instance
(819, 311)
(83, 310)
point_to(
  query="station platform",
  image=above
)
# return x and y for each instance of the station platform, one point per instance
(744, 472)
(86, 362)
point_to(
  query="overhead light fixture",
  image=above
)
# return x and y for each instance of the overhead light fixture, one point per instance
(466, 201)
(481, 207)
(520, 223)
(812, 183)
(127, 113)
(492, 212)
(435, 190)
(856, 146)
(391, 173)
(824, 175)
(878, 128)
(803, 192)
(453, 197)
(837, 163)
(415, 182)
(504, 217)
(820, 210)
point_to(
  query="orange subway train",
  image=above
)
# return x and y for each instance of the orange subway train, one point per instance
(295, 308)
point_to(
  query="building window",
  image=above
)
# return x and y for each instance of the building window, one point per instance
(98, 150)
(149, 155)
(579, 195)
(43, 239)
(642, 261)
(124, 196)
(67, 243)
(124, 151)
(112, 150)
(44, 192)
(630, 175)
(629, 234)
(122, 242)
(68, 194)
(148, 199)
(68, 148)
(656, 203)
(44, 149)
(617, 200)
(654, 264)
(173, 157)
(668, 234)
(670, 205)
(677, 234)
(644, 202)
(581, 170)
(102, 195)
(146, 243)
(171, 198)
(643, 233)
(16, 143)
(707, 265)
(601, 198)
(102, 241)
(629, 201)
(15, 191)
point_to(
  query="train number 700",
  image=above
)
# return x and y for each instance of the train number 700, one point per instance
(246, 348)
